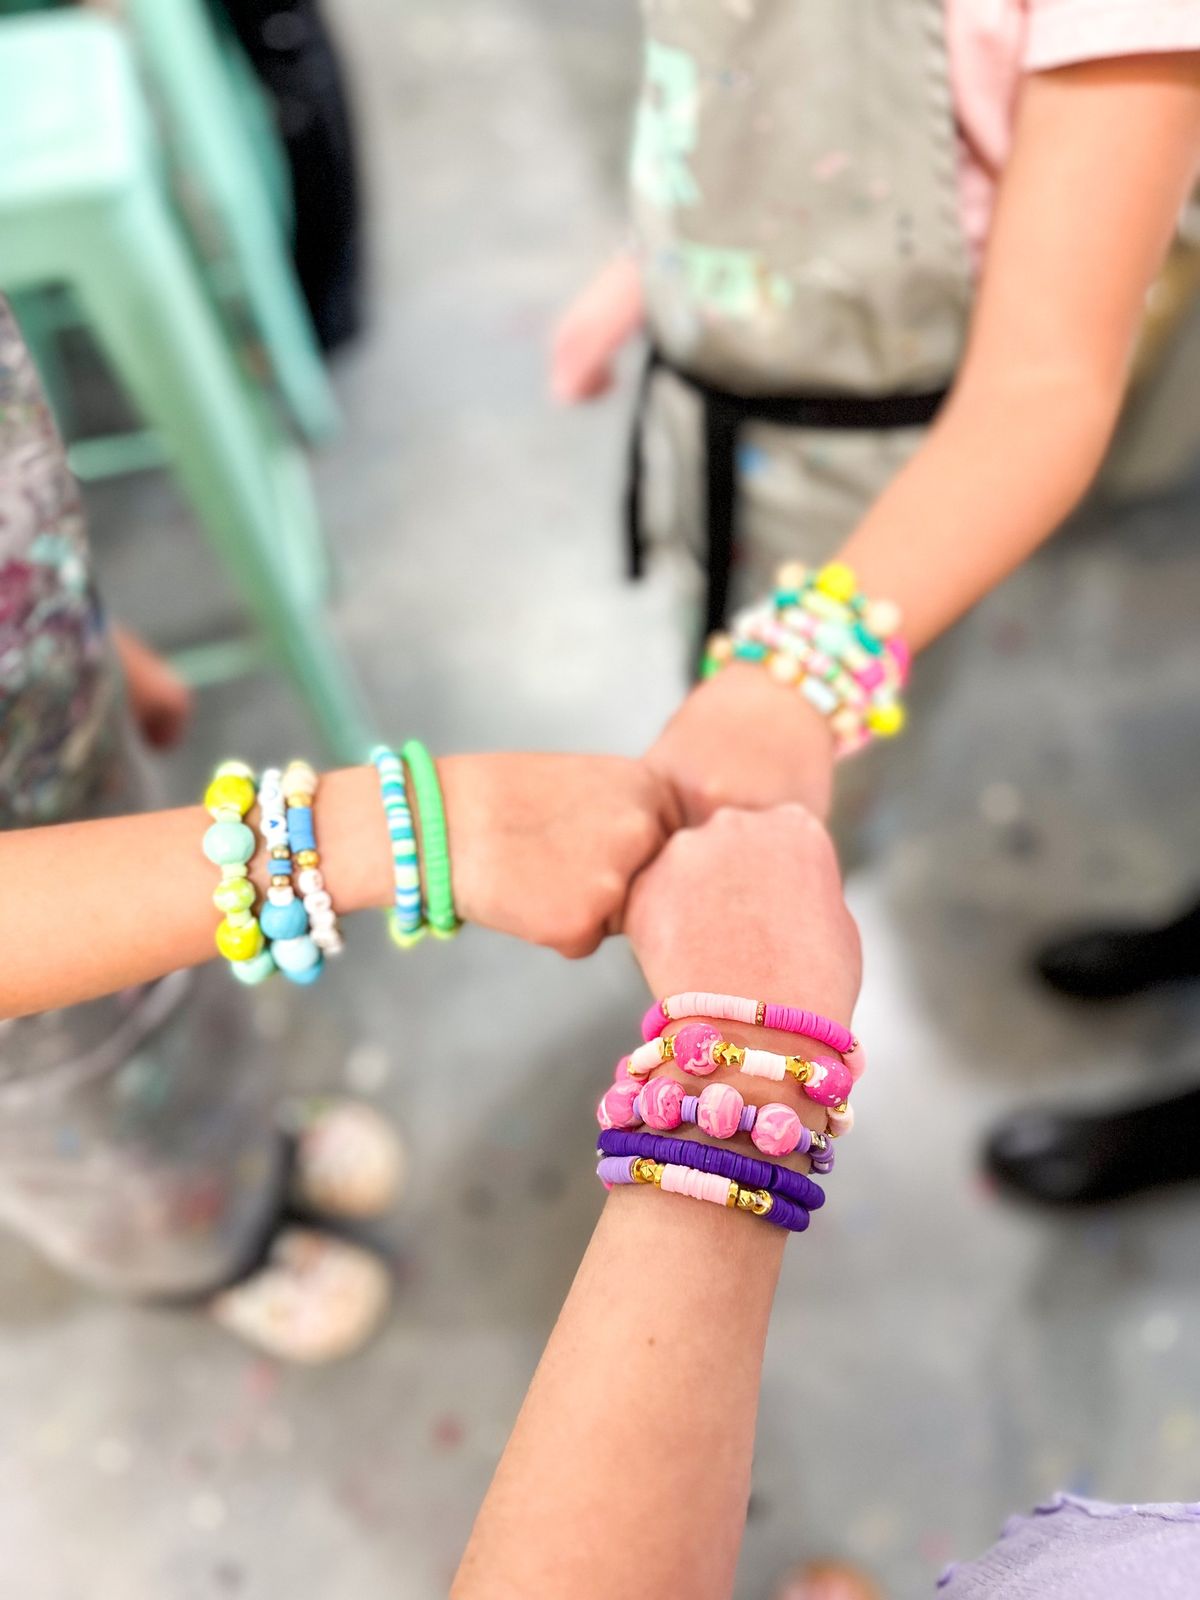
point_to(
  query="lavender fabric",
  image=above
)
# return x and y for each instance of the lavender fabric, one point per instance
(1073, 1549)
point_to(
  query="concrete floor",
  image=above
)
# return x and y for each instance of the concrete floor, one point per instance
(987, 1356)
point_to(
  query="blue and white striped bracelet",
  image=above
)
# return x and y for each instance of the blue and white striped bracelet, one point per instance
(406, 921)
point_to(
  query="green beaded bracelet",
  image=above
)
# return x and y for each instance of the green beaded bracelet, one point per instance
(435, 850)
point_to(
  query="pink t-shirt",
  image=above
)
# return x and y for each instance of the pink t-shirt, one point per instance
(994, 42)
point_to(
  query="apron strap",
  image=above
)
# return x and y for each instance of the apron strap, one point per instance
(724, 415)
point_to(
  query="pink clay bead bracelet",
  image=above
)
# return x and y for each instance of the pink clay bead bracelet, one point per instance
(718, 1110)
(756, 1014)
(699, 1050)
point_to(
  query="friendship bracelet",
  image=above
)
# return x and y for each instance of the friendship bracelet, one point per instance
(699, 1050)
(758, 1014)
(304, 953)
(435, 849)
(406, 920)
(229, 844)
(613, 1170)
(720, 1111)
(745, 1170)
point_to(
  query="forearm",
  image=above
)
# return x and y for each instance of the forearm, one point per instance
(92, 907)
(628, 1471)
(996, 477)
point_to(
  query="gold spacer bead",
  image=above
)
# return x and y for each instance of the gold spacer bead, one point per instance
(281, 853)
(841, 1108)
(763, 1201)
(307, 858)
(729, 1055)
(666, 1047)
(304, 801)
(760, 1015)
(643, 1170)
(281, 883)
(799, 1068)
(735, 1196)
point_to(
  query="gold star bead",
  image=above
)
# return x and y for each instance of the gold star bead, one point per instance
(799, 1068)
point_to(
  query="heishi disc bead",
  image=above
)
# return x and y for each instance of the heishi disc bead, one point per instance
(256, 970)
(841, 1122)
(719, 1110)
(694, 1049)
(662, 1104)
(776, 1130)
(239, 944)
(283, 922)
(616, 1105)
(234, 894)
(829, 1082)
(226, 843)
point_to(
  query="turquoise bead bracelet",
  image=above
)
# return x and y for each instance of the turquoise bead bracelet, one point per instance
(406, 919)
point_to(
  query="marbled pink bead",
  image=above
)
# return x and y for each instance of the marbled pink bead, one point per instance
(616, 1106)
(776, 1130)
(662, 1104)
(830, 1083)
(694, 1047)
(719, 1110)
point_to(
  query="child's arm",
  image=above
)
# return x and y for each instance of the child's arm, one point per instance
(542, 846)
(601, 319)
(628, 1470)
(1104, 156)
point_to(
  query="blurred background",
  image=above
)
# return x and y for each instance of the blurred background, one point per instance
(987, 1355)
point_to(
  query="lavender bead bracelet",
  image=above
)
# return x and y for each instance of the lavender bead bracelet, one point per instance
(709, 1158)
(674, 1177)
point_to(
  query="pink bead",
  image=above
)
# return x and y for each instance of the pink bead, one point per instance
(662, 1104)
(901, 655)
(694, 1047)
(830, 1083)
(654, 1021)
(776, 1130)
(616, 1106)
(871, 676)
(719, 1110)
(621, 1073)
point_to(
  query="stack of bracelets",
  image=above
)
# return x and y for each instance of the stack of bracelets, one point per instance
(838, 649)
(639, 1109)
(296, 926)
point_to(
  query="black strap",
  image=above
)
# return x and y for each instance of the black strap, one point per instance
(724, 416)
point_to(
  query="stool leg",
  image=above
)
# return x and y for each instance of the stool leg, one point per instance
(180, 47)
(150, 313)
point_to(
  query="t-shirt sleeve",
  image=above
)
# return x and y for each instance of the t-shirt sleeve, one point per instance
(1062, 32)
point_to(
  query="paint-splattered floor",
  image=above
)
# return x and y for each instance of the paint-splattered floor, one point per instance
(985, 1357)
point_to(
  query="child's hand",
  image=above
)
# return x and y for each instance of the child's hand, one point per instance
(160, 700)
(592, 330)
(545, 846)
(749, 904)
(740, 739)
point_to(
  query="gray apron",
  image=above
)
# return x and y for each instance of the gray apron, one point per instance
(137, 1143)
(807, 283)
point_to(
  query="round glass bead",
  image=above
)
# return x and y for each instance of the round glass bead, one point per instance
(225, 843)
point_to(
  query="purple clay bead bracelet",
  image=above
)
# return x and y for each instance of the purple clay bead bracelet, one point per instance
(744, 1170)
(696, 1184)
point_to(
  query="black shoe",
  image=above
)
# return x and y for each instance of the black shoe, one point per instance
(1074, 1158)
(1109, 963)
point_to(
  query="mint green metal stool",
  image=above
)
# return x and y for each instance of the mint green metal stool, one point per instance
(83, 203)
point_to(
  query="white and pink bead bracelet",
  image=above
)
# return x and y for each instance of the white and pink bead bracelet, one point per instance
(756, 1014)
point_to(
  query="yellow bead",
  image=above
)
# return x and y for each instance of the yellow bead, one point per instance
(886, 721)
(837, 581)
(234, 769)
(230, 791)
(239, 944)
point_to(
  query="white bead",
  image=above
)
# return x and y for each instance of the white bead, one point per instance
(644, 1058)
(309, 880)
(318, 900)
(299, 779)
(792, 575)
(882, 617)
(764, 1064)
(283, 896)
(328, 939)
(321, 917)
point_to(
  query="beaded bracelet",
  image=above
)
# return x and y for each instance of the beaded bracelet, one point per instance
(720, 1111)
(758, 1014)
(300, 791)
(613, 1170)
(841, 651)
(406, 920)
(746, 1170)
(699, 1050)
(229, 844)
(435, 849)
